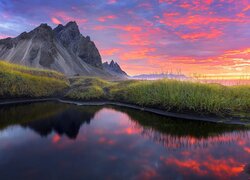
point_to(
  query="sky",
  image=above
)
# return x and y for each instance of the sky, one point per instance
(208, 37)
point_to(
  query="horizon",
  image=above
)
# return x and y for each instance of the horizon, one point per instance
(204, 37)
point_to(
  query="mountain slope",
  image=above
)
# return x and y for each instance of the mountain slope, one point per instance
(62, 49)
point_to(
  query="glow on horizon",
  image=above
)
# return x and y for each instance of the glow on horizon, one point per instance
(198, 36)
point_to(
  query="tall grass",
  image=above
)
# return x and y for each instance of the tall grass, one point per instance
(182, 96)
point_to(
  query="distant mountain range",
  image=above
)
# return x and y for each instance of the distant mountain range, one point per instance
(159, 76)
(63, 49)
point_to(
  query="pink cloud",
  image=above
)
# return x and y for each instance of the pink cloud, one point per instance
(109, 52)
(214, 33)
(66, 17)
(3, 36)
(55, 20)
(105, 18)
(112, 1)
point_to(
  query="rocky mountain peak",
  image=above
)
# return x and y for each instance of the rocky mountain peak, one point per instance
(44, 32)
(68, 33)
(114, 67)
(72, 24)
(44, 26)
(58, 28)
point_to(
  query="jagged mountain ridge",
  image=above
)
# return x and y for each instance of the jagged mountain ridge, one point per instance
(63, 49)
(114, 69)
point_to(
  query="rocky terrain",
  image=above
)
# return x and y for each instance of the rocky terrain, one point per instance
(63, 49)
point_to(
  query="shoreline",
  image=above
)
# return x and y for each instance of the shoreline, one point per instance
(127, 105)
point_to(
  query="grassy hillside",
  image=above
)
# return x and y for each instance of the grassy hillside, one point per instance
(20, 81)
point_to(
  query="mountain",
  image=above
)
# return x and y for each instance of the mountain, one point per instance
(114, 69)
(63, 49)
(159, 76)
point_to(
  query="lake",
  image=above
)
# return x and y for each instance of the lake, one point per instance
(51, 140)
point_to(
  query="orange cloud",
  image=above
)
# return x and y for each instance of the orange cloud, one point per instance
(238, 52)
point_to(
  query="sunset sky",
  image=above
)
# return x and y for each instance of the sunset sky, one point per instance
(195, 36)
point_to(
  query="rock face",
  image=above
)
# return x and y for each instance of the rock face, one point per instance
(114, 69)
(63, 49)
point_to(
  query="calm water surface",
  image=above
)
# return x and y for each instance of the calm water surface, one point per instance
(59, 141)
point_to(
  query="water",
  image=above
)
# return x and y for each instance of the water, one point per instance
(59, 141)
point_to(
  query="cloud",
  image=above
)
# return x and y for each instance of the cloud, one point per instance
(105, 18)
(65, 17)
(214, 33)
(112, 1)
(55, 20)
(109, 52)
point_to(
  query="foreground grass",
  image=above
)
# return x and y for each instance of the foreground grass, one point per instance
(20, 81)
(170, 95)
(186, 96)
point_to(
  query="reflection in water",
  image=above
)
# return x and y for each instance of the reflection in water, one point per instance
(176, 133)
(110, 142)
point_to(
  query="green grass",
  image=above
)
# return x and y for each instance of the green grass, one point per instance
(20, 81)
(90, 88)
(186, 96)
(170, 95)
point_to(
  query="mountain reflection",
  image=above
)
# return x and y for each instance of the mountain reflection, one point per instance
(66, 123)
(47, 117)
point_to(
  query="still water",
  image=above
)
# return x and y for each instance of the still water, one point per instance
(59, 141)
